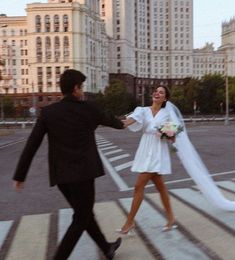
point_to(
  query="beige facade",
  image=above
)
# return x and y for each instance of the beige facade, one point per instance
(14, 54)
(54, 36)
(228, 46)
(150, 39)
(208, 61)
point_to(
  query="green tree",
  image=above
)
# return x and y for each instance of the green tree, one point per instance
(191, 93)
(210, 94)
(116, 98)
(177, 97)
(8, 106)
(232, 93)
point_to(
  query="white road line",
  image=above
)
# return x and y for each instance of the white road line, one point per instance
(196, 199)
(108, 148)
(123, 166)
(13, 143)
(227, 185)
(116, 178)
(33, 243)
(103, 145)
(4, 229)
(112, 152)
(171, 245)
(112, 159)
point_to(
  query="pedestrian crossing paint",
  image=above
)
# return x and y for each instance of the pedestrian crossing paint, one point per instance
(196, 199)
(199, 236)
(196, 224)
(119, 157)
(4, 229)
(31, 238)
(132, 247)
(113, 152)
(108, 148)
(171, 245)
(123, 166)
(229, 185)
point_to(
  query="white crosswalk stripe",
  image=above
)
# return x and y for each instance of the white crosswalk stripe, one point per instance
(4, 229)
(172, 245)
(119, 157)
(196, 199)
(31, 238)
(204, 232)
(227, 185)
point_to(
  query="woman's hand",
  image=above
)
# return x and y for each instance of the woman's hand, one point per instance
(128, 121)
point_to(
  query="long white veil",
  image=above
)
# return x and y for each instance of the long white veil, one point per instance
(194, 165)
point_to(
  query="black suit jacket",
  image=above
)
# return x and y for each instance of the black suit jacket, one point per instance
(70, 126)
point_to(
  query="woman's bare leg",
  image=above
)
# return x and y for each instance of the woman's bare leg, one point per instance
(161, 187)
(142, 180)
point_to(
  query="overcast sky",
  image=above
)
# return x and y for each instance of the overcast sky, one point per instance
(208, 16)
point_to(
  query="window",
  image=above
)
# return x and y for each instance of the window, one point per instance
(66, 47)
(48, 48)
(56, 23)
(57, 48)
(47, 23)
(65, 23)
(38, 23)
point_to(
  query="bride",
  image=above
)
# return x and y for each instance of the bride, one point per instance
(152, 158)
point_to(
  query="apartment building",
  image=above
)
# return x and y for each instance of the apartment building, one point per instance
(208, 61)
(53, 36)
(152, 38)
(143, 42)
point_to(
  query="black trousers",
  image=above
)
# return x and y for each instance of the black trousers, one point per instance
(81, 197)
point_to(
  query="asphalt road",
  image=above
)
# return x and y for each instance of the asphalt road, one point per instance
(214, 141)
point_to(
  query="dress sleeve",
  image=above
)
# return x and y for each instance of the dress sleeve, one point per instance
(138, 116)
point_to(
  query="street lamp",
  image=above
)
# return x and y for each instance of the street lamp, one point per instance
(226, 121)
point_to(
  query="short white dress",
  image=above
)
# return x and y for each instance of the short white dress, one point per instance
(152, 154)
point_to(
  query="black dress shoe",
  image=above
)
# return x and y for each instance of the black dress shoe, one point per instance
(113, 247)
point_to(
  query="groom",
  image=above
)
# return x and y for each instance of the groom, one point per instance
(74, 161)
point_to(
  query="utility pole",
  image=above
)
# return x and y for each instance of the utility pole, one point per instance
(142, 96)
(226, 121)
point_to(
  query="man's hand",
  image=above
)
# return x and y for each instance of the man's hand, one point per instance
(18, 185)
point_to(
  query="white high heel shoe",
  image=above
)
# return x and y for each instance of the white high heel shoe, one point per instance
(129, 231)
(169, 228)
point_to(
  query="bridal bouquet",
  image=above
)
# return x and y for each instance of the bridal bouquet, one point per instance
(169, 131)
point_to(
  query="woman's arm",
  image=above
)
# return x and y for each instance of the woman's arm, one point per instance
(128, 121)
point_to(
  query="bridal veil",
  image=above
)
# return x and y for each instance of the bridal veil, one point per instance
(194, 165)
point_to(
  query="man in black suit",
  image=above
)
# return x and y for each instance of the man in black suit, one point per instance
(74, 161)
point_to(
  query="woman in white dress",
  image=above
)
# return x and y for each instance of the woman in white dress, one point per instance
(152, 159)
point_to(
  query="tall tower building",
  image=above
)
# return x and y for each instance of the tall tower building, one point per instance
(228, 46)
(151, 38)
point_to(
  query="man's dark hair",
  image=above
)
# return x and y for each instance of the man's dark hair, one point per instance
(69, 79)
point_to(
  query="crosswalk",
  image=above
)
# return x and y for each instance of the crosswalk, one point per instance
(204, 232)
